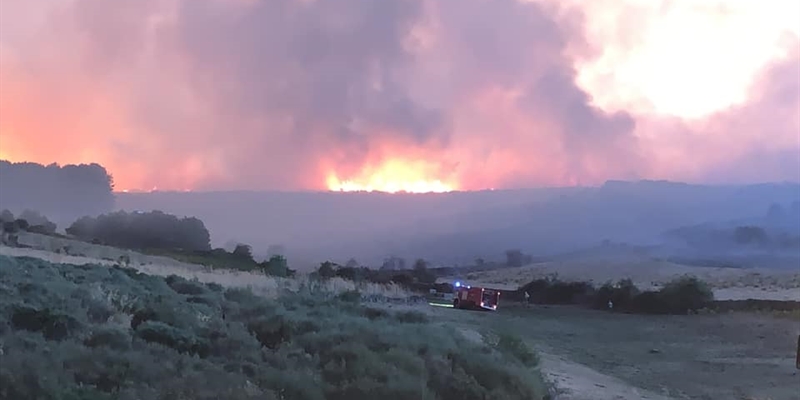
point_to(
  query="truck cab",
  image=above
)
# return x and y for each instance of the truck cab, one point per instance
(475, 298)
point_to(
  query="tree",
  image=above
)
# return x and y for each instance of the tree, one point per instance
(393, 263)
(22, 224)
(6, 216)
(326, 270)
(60, 192)
(243, 251)
(277, 266)
(276, 250)
(421, 272)
(143, 230)
(38, 222)
(514, 258)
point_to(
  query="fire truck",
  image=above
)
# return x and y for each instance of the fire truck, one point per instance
(475, 298)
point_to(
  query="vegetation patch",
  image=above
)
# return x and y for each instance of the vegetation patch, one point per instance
(682, 295)
(116, 334)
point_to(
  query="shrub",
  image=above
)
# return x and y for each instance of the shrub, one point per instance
(621, 295)
(52, 325)
(233, 344)
(350, 296)
(277, 266)
(686, 294)
(183, 286)
(172, 337)
(682, 295)
(515, 347)
(37, 223)
(109, 337)
(554, 291)
(412, 317)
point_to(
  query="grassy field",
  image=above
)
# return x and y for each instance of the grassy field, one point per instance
(601, 355)
(99, 332)
(646, 273)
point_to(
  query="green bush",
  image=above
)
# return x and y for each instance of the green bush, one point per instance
(686, 294)
(182, 342)
(679, 296)
(555, 291)
(515, 347)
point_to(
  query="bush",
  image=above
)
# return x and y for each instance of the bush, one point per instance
(232, 344)
(686, 294)
(621, 295)
(682, 295)
(515, 347)
(277, 266)
(37, 223)
(554, 291)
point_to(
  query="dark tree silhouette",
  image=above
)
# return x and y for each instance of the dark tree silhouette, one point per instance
(139, 230)
(421, 272)
(327, 270)
(243, 251)
(514, 258)
(62, 193)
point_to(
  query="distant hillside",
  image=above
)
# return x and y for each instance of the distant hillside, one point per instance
(458, 227)
(778, 229)
(633, 212)
(62, 193)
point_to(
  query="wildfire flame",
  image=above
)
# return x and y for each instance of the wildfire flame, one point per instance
(392, 176)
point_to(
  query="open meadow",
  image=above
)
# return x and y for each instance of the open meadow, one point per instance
(646, 272)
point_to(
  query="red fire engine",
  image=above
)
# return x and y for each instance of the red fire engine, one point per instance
(475, 298)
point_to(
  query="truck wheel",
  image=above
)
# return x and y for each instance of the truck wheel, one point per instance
(456, 303)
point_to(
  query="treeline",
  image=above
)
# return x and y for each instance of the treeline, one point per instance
(777, 229)
(155, 232)
(143, 230)
(28, 220)
(61, 192)
(682, 295)
(418, 277)
(744, 236)
(186, 239)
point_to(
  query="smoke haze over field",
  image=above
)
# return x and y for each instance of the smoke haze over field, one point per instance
(296, 94)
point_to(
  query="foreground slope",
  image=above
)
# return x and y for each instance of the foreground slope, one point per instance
(120, 334)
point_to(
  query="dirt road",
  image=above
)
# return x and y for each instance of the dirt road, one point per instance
(598, 355)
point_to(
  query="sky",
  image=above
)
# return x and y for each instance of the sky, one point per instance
(415, 95)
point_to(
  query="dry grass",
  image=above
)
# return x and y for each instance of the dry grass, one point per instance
(268, 286)
(647, 273)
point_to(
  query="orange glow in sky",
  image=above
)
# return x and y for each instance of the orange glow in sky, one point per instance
(392, 176)
(642, 87)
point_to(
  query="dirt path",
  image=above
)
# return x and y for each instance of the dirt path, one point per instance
(573, 381)
(597, 355)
